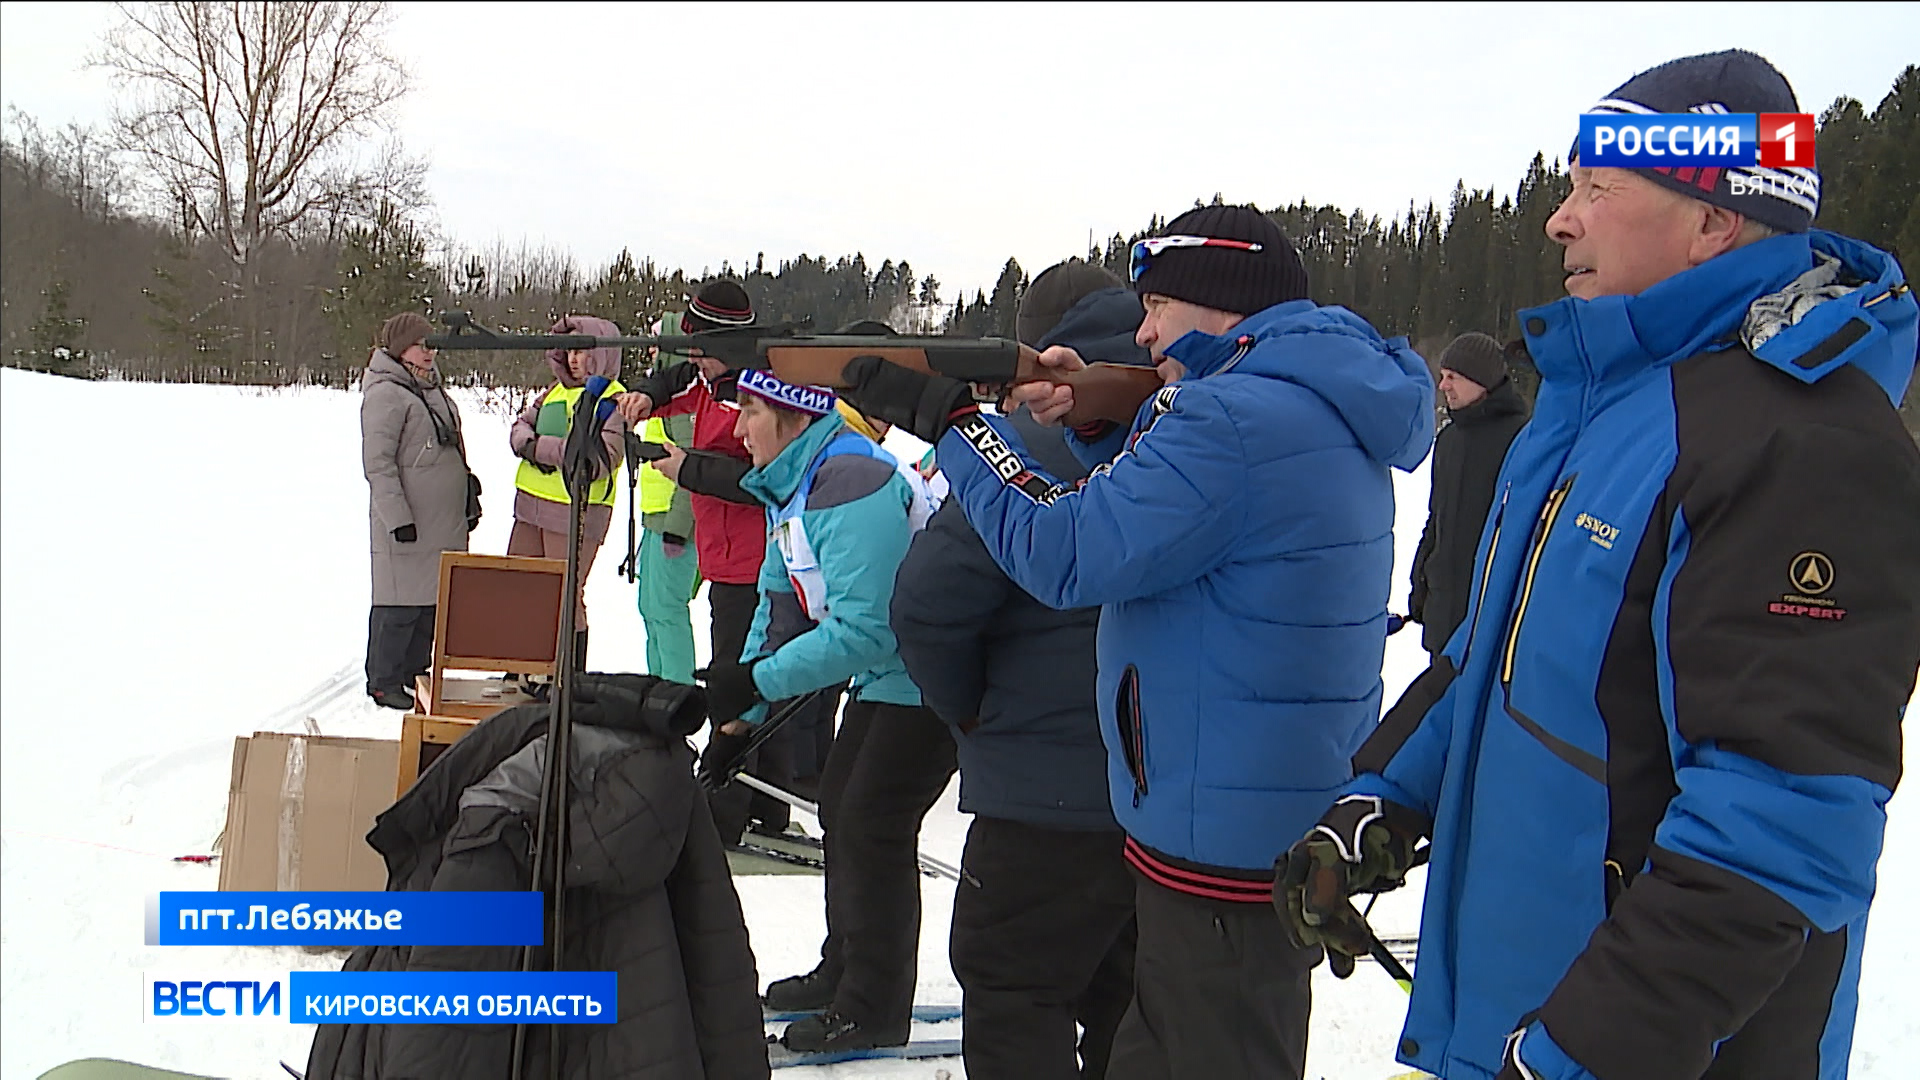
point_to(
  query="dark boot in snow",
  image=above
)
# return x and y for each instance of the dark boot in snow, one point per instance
(832, 1031)
(392, 699)
(802, 993)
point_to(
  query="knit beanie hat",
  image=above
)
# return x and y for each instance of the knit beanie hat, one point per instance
(1735, 81)
(1478, 357)
(1053, 294)
(721, 303)
(1227, 279)
(398, 334)
(814, 401)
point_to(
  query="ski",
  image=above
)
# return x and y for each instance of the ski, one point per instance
(792, 858)
(782, 1058)
(925, 1014)
(293, 1072)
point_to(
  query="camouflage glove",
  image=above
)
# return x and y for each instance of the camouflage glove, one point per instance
(1364, 844)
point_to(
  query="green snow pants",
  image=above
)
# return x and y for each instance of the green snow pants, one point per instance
(667, 585)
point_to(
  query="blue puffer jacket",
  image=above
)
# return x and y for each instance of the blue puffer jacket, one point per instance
(1241, 549)
(1657, 782)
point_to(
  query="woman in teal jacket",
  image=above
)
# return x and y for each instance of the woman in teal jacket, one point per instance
(838, 526)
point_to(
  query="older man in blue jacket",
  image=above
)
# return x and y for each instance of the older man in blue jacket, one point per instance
(1654, 762)
(1240, 547)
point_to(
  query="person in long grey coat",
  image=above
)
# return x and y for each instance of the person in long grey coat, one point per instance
(414, 455)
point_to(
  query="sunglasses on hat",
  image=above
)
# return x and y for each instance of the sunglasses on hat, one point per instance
(1144, 251)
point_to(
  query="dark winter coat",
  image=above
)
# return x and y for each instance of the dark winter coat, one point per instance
(1012, 677)
(1466, 460)
(414, 456)
(650, 897)
(1658, 759)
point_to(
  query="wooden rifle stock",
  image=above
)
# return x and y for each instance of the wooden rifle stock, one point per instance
(1101, 391)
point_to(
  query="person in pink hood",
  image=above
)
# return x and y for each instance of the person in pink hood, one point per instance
(539, 435)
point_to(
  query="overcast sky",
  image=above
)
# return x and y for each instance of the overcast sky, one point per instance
(957, 135)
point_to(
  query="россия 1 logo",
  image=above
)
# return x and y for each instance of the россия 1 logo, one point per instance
(1697, 140)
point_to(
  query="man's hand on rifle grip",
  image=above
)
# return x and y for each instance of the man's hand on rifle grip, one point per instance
(1049, 402)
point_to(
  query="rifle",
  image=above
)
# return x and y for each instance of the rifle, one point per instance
(1101, 391)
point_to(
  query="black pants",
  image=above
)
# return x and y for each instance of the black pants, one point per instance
(813, 741)
(1043, 943)
(732, 607)
(889, 764)
(399, 645)
(1219, 993)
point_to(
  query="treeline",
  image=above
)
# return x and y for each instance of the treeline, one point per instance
(93, 287)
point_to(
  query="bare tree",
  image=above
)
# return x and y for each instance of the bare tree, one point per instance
(248, 116)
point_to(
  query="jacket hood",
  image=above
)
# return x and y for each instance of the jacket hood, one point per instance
(1101, 327)
(1851, 307)
(1380, 387)
(775, 482)
(382, 367)
(604, 362)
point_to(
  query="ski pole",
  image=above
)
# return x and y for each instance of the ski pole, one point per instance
(928, 863)
(727, 773)
(550, 835)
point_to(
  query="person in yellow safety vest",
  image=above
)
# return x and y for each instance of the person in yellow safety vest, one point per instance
(669, 569)
(538, 438)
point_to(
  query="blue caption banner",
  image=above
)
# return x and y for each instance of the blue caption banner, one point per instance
(345, 918)
(454, 997)
(1678, 140)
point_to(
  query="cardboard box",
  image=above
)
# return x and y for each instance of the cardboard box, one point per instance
(299, 808)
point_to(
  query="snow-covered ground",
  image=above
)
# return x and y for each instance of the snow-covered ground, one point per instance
(179, 564)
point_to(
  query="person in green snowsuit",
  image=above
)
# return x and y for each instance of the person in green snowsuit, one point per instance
(669, 571)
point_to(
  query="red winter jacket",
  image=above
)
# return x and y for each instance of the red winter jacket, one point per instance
(730, 537)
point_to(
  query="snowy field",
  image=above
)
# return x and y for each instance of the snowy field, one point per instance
(181, 564)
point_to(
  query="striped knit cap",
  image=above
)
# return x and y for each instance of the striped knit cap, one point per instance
(721, 303)
(1734, 81)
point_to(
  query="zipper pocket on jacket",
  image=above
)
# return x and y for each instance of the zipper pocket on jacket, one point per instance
(1133, 730)
(1544, 529)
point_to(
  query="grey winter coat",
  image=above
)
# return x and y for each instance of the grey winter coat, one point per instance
(416, 478)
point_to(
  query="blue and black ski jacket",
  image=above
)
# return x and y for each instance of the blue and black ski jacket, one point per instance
(1240, 549)
(1656, 755)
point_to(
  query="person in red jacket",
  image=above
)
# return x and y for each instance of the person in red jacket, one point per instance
(729, 536)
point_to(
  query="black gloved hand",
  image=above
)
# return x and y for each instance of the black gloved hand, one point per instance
(718, 759)
(731, 691)
(922, 404)
(1364, 844)
(406, 534)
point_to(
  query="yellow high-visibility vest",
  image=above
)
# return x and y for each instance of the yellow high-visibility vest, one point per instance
(656, 491)
(556, 413)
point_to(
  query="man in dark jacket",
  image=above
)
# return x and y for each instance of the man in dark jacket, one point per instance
(1484, 413)
(1043, 926)
(1238, 536)
(649, 897)
(1655, 765)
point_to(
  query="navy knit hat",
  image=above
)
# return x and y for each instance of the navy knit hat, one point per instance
(720, 303)
(1227, 279)
(1734, 81)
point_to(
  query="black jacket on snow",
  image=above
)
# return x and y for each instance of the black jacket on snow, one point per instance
(1466, 461)
(649, 897)
(1013, 677)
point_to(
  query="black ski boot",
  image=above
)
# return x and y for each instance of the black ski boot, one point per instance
(832, 1031)
(392, 699)
(802, 993)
